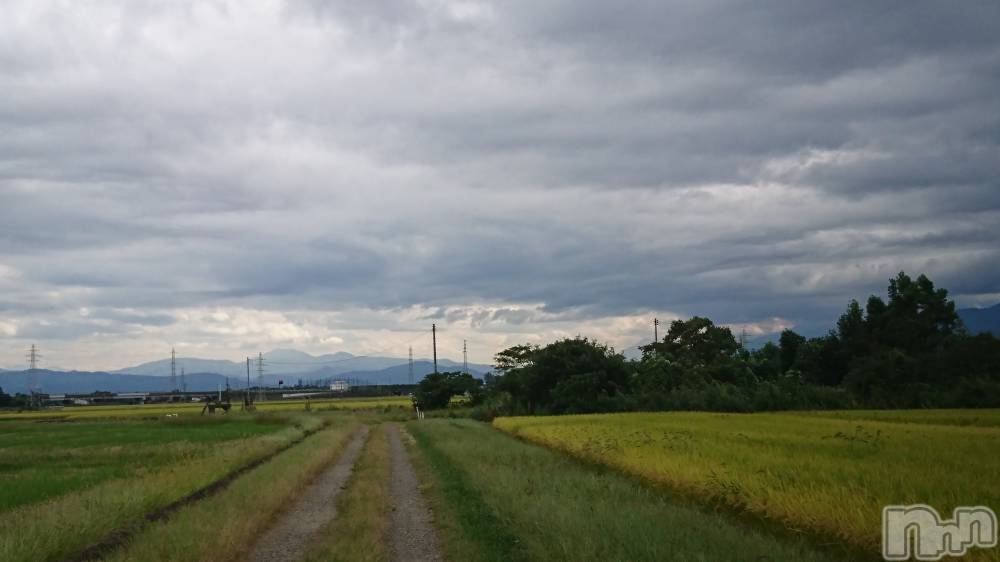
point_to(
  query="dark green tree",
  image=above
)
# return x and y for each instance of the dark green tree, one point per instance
(436, 389)
(765, 362)
(571, 375)
(789, 344)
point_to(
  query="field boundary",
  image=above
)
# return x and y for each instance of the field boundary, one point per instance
(118, 537)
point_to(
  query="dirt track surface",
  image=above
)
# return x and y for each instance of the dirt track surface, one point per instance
(411, 531)
(289, 537)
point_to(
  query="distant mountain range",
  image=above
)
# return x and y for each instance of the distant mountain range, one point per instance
(978, 320)
(284, 365)
(286, 362)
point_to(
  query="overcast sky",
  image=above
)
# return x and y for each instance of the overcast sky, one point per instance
(227, 177)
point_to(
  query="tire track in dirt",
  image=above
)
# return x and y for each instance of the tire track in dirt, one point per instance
(290, 536)
(411, 531)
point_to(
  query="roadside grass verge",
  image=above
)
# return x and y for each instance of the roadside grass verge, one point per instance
(826, 477)
(60, 527)
(468, 527)
(359, 533)
(225, 526)
(555, 508)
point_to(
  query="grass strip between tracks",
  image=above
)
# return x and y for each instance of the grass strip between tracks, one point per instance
(360, 531)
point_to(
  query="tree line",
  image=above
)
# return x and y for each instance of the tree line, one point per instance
(908, 351)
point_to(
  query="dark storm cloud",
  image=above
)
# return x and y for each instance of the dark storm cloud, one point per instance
(510, 165)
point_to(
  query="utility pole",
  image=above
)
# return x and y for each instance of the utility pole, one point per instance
(465, 358)
(656, 325)
(260, 376)
(434, 340)
(411, 365)
(173, 370)
(248, 399)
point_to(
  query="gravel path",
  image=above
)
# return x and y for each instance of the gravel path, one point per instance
(411, 532)
(288, 538)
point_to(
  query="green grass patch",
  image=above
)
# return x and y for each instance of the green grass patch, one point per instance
(469, 527)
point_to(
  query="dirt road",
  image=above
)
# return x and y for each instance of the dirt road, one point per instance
(288, 538)
(411, 531)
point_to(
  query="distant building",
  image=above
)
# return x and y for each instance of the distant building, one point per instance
(340, 386)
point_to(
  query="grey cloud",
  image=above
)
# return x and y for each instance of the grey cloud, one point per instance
(594, 159)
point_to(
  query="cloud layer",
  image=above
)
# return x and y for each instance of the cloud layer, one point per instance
(229, 176)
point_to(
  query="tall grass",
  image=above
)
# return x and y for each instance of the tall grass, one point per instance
(827, 476)
(558, 509)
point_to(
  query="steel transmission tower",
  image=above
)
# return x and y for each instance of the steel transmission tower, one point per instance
(465, 358)
(173, 370)
(35, 388)
(260, 376)
(184, 386)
